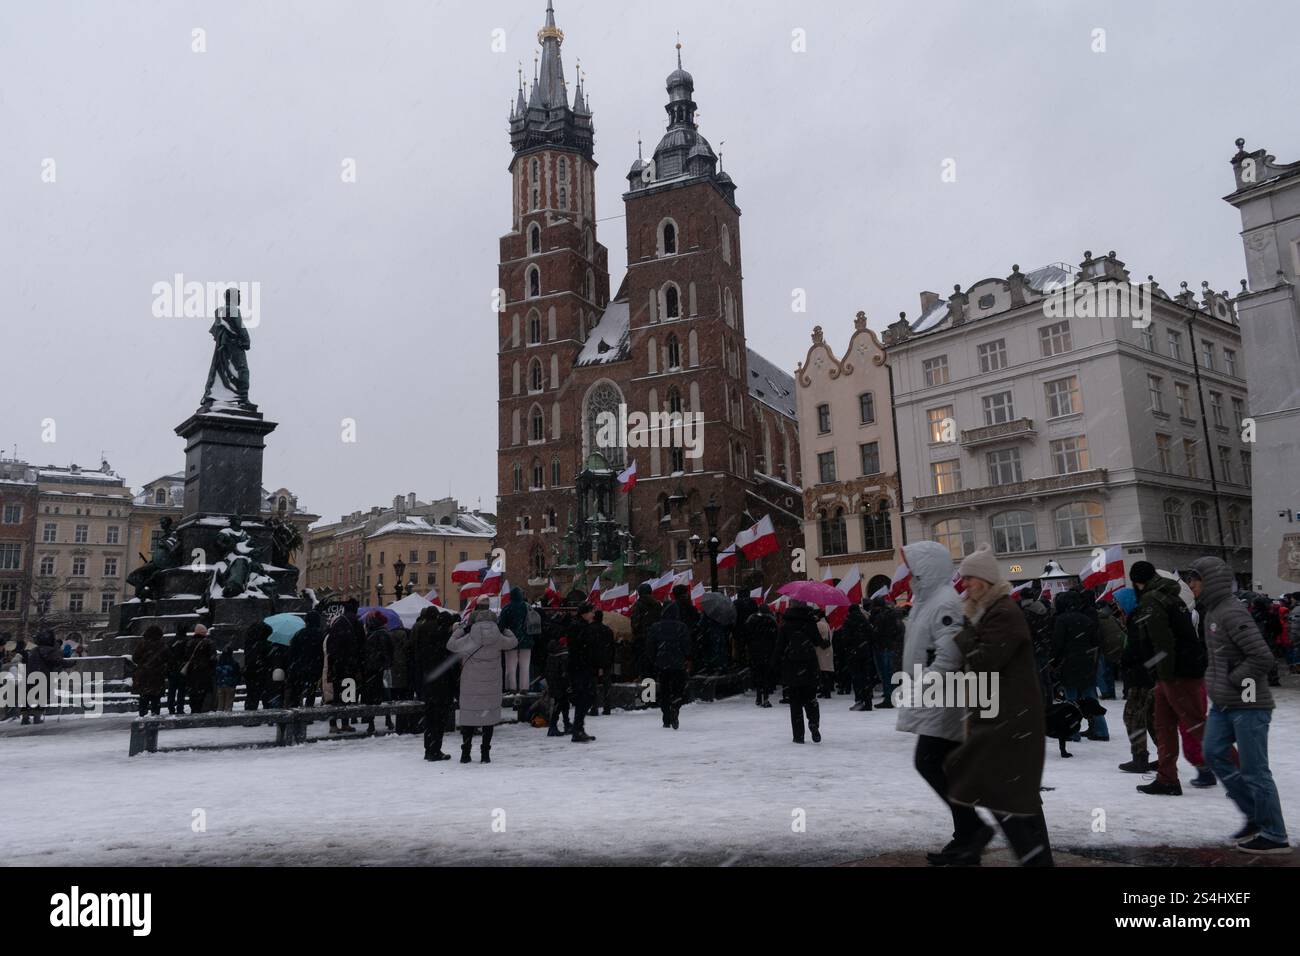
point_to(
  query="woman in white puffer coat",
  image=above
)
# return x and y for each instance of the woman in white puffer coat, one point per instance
(929, 647)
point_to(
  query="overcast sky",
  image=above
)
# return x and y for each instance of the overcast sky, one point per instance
(375, 295)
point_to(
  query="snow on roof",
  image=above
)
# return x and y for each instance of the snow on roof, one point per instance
(783, 485)
(78, 475)
(1049, 278)
(415, 524)
(476, 524)
(932, 317)
(770, 385)
(609, 339)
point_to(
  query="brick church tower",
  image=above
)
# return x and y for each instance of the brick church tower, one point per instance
(672, 340)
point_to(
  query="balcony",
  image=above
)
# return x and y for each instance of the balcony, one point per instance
(1019, 428)
(1020, 490)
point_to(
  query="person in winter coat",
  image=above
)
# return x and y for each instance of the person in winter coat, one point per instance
(798, 640)
(256, 674)
(306, 657)
(999, 765)
(480, 646)
(1239, 660)
(887, 644)
(855, 644)
(930, 647)
(603, 646)
(435, 676)
(402, 672)
(759, 633)
(376, 663)
(584, 667)
(1293, 630)
(150, 677)
(43, 659)
(1112, 649)
(1076, 647)
(342, 664)
(227, 678)
(557, 686)
(645, 615)
(514, 619)
(668, 650)
(1270, 626)
(825, 658)
(1163, 622)
(200, 670)
(275, 668)
(178, 652)
(690, 616)
(1139, 687)
(1038, 615)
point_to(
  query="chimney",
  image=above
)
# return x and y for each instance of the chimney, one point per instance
(399, 504)
(410, 501)
(928, 301)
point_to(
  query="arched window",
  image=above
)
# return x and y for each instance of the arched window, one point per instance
(518, 483)
(668, 238)
(564, 170)
(1200, 522)
(539, 474)
(1014, 531)
(160, 496)
(729, 308)
(1173, 519)
(1236, 526)
(590, 286)
(834, 531)
(535, 379)
(283, 505)
(549, 519)
(601, 409)
(877, 529)
(555, 472)
(672, 302)
(590, 245)
(538, 561)
(725, 242)
(674, 353)
(955, 534)
(534, 328)
(536, 424)
(1079, 525)
(536, 172)
(675, 400)
(564, 197)
(534, 282)
(534, 239)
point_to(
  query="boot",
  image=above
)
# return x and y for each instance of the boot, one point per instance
(435, 755)
(816, 733)
(1204, 778)
(766, 702)
(464, 753)
(1158, 789)
(1141, 763)
(485, 754)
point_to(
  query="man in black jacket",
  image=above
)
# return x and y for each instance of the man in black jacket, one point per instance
(1076, 649)
(759, 633)
(306, 658)
(855, 637)
(796, 655)
(668, 648)
(435, 675)
(177, 653)
(645, 615)
(583, 669)
(342, 640)
(603, 646)
(887, 645)
(44, 659)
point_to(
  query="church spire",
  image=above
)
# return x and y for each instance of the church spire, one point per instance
(546, 117)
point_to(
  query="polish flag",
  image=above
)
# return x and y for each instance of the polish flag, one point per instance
(828, 575)
(615, 599)
(468, 571)
(759, 540)
(552, 596)
(686, 577)
(433, 598)
(593, 596)
(727, 559)
(901, 582)
(697, 594)
(956, 583)
(1104, 567)
(1020, 587)
(662, 586)
(759, 595)
(851, 586)
(492, 582)
(470, 592)
(627, 478)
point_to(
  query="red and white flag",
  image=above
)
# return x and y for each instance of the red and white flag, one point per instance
(851, 586)
(627, 478)
(727, 559)
(759, 540)
(615, 599)
(470, 592)
(687, 577)
(828, 574)
(433, 598)
(1020, 587)
(901, 582)
(662, 586)
(593, 596)
(552, 596)
(697, 594)
(492, 582)
(759, 595)
(956, 583)
(1104, 567)
(883, 592)
(468, 571)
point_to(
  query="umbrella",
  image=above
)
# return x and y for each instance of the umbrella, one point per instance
(391, 618)
(283, 627)
(815, 592)
(620, 624)
(409, 608)
(1184, 591)
(718, 607)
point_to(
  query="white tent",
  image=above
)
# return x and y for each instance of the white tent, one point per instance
(409, 608)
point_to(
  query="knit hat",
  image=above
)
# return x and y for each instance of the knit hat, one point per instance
(1142, 572)
(981, 564)
(200, 630)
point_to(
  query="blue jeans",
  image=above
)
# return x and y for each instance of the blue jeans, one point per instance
(1105, 678)
(885, 671)
(1097, 724)
(1251, 786)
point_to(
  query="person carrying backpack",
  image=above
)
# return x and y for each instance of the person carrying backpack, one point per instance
(1163, 621)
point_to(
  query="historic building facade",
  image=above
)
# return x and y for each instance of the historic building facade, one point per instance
(19, 499)
(574, 360)
(852, 498)
(1268, 198)
(1037, 414)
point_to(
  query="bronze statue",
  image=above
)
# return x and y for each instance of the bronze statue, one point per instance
(236, 548)
(229, 356)
(163, 555)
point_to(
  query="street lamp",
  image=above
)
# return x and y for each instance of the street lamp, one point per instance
(711, 517)
(399, 568)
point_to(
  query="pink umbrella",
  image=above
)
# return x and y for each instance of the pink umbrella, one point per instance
(815, 592)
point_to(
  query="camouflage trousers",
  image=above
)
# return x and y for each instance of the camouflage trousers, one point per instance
(1139, 718)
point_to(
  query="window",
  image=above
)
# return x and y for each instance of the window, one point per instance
(50, 533)
(549, 519)
(676, 459)
(160, 496)
(518, 478)
(939, 427)
(525, 522)
(11, 557)
(13, 514)
(564, 169)
(535, 383)
(1055, 339)
(534, 329)
(1207, 354)
(47, 566)
(1175, 345)
(826, 467)
(1014, 531)
(1230, 362)
(110, 567)
(998, 408)
(78, 567)
(955, 534)
(993, 355)
(834, 532)
(1184, 396)
(1063, 397)
(1069, 455)
(1225, 462)
(936, 370)
(82, 534)
(432, 557)
(1173, 519)
(555, 472)
(539, 474)
(866, 408)
(946, 476)
(536, 426)
(106, 602)
(1164, 457)
(675, 400)
(534, 239)
(823, 419)
(870, 453)
(564, 197)
(9, 596)
(1216, 407)
(1200, 522)
(674, 347)
(877, 532)
(670, 239)
(111, 536)
(534, 282)
(1236, 526)
(1189, 456)
(1080, 524)
(1245, 468)
(1238, 411)
(1147, 338)
(681, 550)
(76, 602)
(1154, 387)
(431, 579)
(726, 244)
(1004, 466)
(672, 303)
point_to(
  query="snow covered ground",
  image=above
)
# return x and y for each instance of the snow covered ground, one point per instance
(726, 788)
